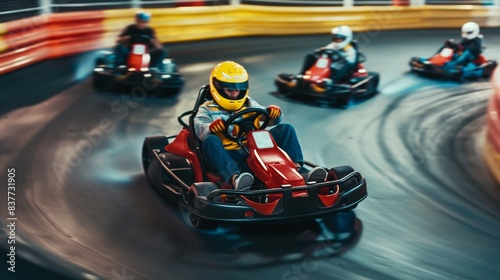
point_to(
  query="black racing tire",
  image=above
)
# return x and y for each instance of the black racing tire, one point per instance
(172, 91)
(196, 190)
(489, 69)
(342, 102)
(152, 143)
(372, 87)
(101, 60)
(100, 84)
(340, 172)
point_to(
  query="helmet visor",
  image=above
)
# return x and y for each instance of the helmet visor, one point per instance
(337, 38)
(233, 86)
(232, 91)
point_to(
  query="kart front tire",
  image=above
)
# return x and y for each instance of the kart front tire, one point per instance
(150, 144)
(342, 102)
(340, 172)
(197, 190)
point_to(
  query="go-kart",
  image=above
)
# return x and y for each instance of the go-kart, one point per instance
(137, 71)
(436, 65)
(316, 81)
(178, 171)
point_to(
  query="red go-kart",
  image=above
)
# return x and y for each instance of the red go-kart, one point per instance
(137, 71)
(435, 65)
(316, 81)
(179, 172)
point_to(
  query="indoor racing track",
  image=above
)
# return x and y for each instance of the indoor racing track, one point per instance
(433, 209)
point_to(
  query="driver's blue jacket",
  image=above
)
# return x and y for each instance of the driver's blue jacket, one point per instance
(210, 111)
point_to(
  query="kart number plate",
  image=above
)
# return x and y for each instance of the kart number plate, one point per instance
(322, 63)
(139, 49)
(263, 140)
(446, 52)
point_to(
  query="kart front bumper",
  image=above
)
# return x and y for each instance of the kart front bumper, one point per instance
(287, 209)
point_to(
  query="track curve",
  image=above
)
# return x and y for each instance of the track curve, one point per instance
(433, 210)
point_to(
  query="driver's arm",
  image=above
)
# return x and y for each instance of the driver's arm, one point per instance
(124, 36)
(156, 43)
(350, 55)
(202, 122)
(154, 40)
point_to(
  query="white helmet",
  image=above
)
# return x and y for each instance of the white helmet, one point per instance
(341, 36)
(470, 30)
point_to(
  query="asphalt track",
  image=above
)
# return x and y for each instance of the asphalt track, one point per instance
(433, 210)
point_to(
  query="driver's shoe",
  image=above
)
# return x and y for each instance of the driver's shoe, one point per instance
(243, 182)
(317, 174)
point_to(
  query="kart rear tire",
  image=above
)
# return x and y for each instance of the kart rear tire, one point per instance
(150, 144)
(373, 85)
(196, 190)
(100, 85)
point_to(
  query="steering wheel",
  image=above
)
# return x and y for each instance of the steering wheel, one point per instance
(335, 55)
(140, 38)
(247, 123)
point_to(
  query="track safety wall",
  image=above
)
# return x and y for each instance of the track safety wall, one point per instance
(26, 41)
(492, 145)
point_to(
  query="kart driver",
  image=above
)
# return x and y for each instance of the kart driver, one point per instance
(471, 46)
(229, 90)
(140, 27)
(341, 41)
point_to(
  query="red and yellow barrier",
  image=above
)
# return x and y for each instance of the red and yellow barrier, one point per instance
(27, 41)
(43, 37)
(492, 145)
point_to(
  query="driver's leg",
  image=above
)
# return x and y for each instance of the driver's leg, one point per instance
(308, 62)
(121, 51)
(285, 136)
(339, 74)
(157, 56)
(219, 158)
(224, 162)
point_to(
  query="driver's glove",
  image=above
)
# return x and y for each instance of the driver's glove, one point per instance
(217, 126)
(274, 111)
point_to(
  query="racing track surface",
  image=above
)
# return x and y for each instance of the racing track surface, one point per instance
(433, 210)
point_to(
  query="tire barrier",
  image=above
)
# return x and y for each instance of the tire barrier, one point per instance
(26, 41)
(492, 145)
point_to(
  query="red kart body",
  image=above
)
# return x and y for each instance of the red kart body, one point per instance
(139, 57)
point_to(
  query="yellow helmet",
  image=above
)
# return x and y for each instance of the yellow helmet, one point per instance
(229, 75)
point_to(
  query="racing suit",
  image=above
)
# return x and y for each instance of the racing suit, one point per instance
(339, 70)
(122, 50)
(224, 154)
